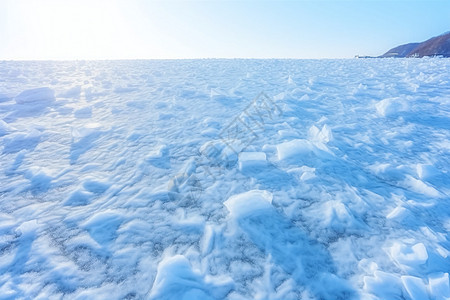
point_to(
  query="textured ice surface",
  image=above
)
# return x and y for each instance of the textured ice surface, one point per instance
(165, 180)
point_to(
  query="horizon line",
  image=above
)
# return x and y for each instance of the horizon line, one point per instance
(184, 58)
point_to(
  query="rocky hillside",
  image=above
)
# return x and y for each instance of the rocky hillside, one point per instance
(439, 45)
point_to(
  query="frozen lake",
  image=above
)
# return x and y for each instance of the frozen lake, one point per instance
(225, 179)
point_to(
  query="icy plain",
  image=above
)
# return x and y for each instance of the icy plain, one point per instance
(225, 179)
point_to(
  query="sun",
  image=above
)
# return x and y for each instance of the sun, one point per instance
(74, 29)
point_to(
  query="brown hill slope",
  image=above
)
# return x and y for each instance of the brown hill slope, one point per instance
(439, 45)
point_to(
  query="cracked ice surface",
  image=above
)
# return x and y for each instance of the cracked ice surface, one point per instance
(160, 180)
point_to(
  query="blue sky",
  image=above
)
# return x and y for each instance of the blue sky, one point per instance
(116, 29)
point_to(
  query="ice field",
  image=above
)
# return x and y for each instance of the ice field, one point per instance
(225, 179)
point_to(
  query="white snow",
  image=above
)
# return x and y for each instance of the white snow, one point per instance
(178, 179)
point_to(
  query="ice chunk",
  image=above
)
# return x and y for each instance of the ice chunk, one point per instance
(176, 279)
(188, 224)
(37, 96)
(207, 241)
(367, 265)
(5, 128)
(73, 92)
(251, 160)
(95, 186)
(322, 136)
(299, 171)
(19, 141)
(83, 139)
(305, 97)
(298, 147)
(86, 130)
(225, 97)
(439, 286)
(28, 228)
(212, 149)
(159, 152)
(415, 287)
(303, 150)
(212, 123)
(31, 103)
(210, 132)
(249, 202)
(219, 152)
(287, 134)
(40, 180)
(384, 285)
(269, 148)
(336, 216)
(290, 80)
(229, 155)
(419, 186)
(83, 113)
(159, 157)
(402, 175)
(426, 171)
(299, 94)
(398, 213)
(303, 173)
(82, 240)
(391, 106)
(279, 97)
(103, 226)
(78, 198)
(409, 256)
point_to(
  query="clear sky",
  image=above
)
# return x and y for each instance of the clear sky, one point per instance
(129, 29)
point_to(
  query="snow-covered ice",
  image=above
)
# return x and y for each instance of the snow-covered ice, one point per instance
(225, 179)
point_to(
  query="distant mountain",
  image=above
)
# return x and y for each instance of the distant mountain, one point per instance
(401, 51)
(439, 45)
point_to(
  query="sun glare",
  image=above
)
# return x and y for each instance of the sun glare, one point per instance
(72, 30)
